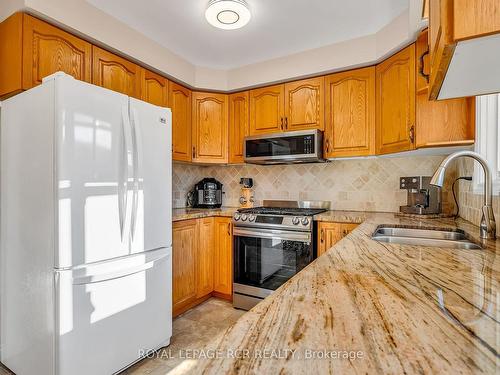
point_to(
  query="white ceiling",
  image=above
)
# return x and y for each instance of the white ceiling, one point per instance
(278, 27)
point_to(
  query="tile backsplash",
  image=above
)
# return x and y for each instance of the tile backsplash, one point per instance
(365, 184)
(471, 202)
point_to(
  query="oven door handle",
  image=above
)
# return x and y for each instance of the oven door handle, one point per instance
(273, 234)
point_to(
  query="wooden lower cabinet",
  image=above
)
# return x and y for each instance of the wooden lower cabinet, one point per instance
(185, 246)
(205, 258)
(223, 257)
(330, 233)
(201, 262)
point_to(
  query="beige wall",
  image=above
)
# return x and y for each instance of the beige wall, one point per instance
(81, 17)
(357, 184)
(362, 51)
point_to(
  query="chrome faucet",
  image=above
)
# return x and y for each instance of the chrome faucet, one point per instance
(487, 228)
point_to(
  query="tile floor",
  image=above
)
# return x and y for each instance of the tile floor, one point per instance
(192, 330)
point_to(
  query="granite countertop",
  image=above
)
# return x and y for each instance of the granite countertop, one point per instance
(376, 308)
(332, 216)
(197, 213)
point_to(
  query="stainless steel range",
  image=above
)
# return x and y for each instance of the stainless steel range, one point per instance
(271, 244)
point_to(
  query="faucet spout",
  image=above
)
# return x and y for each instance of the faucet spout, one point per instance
(488, 223)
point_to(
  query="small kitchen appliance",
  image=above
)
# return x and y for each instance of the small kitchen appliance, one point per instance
(271, 244)
(246, 196)
(207, 193)
(422, 197)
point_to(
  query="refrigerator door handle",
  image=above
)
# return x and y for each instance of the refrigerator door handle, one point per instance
(137, 168)
(99, 277)
(123, 186)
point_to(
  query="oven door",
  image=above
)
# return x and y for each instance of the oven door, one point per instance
(266, 259)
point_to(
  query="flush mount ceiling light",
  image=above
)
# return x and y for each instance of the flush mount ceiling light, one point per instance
(228, 14)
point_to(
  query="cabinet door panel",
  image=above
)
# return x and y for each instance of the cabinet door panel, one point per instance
(205, 258)
(185, 244)
(47, 49)
(267, 110)
(238, 125)
(330, 233)
(155, 89)
(396, 102)
(223, 263)
(210, 128)
(445, 122)
(115, 73)
(350, 112)
(11, 55)
(180, 103)
(304, 104)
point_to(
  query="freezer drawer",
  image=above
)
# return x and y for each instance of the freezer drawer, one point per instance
(109, 311)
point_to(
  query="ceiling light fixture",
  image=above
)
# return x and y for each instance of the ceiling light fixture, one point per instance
(228, 14)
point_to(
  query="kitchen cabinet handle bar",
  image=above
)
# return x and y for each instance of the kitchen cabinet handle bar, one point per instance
(421, 67)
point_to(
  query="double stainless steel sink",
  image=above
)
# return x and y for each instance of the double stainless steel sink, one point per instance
(408, 235)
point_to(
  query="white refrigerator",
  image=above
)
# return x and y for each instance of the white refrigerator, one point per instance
(85, 229)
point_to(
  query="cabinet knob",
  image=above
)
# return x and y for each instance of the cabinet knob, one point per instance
(286, 123)
(327, 145)
(194, 152)
(322, 237)
(229, 228)
(282, 123)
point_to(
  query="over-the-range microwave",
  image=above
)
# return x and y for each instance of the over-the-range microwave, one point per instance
(284, 148)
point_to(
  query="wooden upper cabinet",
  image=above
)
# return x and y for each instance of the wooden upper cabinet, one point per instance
(115, 73)
(267, 110)
(238, 125)
(475, 18)
(205, 258)
(210, 128)
(441, 42)
(448, 122)
(47, 49)
(223, 256)
(453, 21)
(154, 89)
(184, 267)
(395, 104)
(304, 104)
(31, 49)
(444, 122)
(350, 113)
(180, 103)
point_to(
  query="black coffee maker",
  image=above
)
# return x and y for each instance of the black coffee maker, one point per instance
(206, 194)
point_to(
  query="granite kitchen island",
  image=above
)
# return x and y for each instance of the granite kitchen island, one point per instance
(372, 307)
